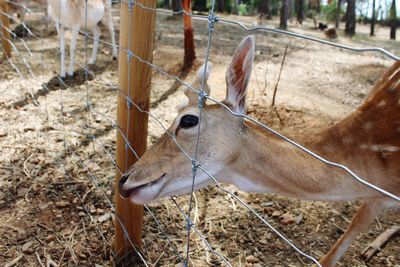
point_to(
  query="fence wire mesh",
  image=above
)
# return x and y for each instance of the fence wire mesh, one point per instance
(87, 128)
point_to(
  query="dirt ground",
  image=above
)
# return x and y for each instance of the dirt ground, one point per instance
(55, 206)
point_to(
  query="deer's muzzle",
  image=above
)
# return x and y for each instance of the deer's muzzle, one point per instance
(124, 193)
(127, 190)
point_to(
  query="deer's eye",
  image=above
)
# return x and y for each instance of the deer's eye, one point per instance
(188, 121)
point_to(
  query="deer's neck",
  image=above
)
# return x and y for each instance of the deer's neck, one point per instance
(367, 141)
(270, 164)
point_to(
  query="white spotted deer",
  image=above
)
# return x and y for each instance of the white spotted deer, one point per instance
(16, 7)
(75, 14)
(238, 152)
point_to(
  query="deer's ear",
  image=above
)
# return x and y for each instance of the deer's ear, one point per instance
(238, 75)
(202, 75)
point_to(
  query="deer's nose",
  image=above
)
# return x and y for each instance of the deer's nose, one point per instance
(121, 183)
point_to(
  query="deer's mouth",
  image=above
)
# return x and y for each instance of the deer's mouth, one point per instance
(131, 192)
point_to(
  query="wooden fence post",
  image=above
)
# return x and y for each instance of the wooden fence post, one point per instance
(5, 35)
(134, 78)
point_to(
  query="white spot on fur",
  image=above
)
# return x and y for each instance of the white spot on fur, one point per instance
(385, 149)
(363, 146)
(393, 74)
(368, 125)
(382, 103)
(347, 140)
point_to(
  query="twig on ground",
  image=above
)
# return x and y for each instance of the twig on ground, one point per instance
(279, 76)
(376, 245)
(87, 193)
(68, 246)
(25, 167)
(14, 261)
(50, 262)
(38, 259)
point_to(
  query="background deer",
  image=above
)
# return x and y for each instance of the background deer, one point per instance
(18, 8)
(71, 14)
(240, 153)
(15, 7)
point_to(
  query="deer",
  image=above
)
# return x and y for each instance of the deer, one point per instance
(18, 7)
(74, 14)
(236, 151)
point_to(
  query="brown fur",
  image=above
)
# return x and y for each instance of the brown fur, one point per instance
(374, 128)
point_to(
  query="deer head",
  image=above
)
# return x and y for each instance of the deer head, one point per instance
(164, 170)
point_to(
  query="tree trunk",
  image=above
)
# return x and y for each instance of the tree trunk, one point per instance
(337, 22)
(190, 54)
(166, 4)
(314, 4)
(351, 17)
(393, 17)
(265, 9)
(200, 5)
(290, 9)
(300, 10)
(284, 14)
(221, 6)
(235, 7)
(372, 32)
(176, 6)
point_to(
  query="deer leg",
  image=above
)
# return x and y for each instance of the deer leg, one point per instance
(46, 20)
(108, 22)
(363, 217)
(61, 34)
(376, 245)
(72, 48)
(96, 36)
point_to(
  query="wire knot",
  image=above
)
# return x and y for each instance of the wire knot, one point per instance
(129, 102)
(130, 5)
(202, 98)
(130, 55)
(212, 19)
(195, 165)
(189, 224)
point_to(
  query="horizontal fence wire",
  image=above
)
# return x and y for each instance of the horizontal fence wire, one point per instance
(201, 93)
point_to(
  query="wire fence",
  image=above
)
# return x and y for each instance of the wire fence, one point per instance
(88, 128)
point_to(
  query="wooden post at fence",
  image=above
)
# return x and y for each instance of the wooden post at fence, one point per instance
(134, 79)
(5, 35)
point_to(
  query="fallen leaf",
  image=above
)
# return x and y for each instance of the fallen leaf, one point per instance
(26, 248)
(263, 241)
(276, 213)
(287, 218)
(62, 204)
(252, 259)
(22, 191)
(104, 217)
(298, 219)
